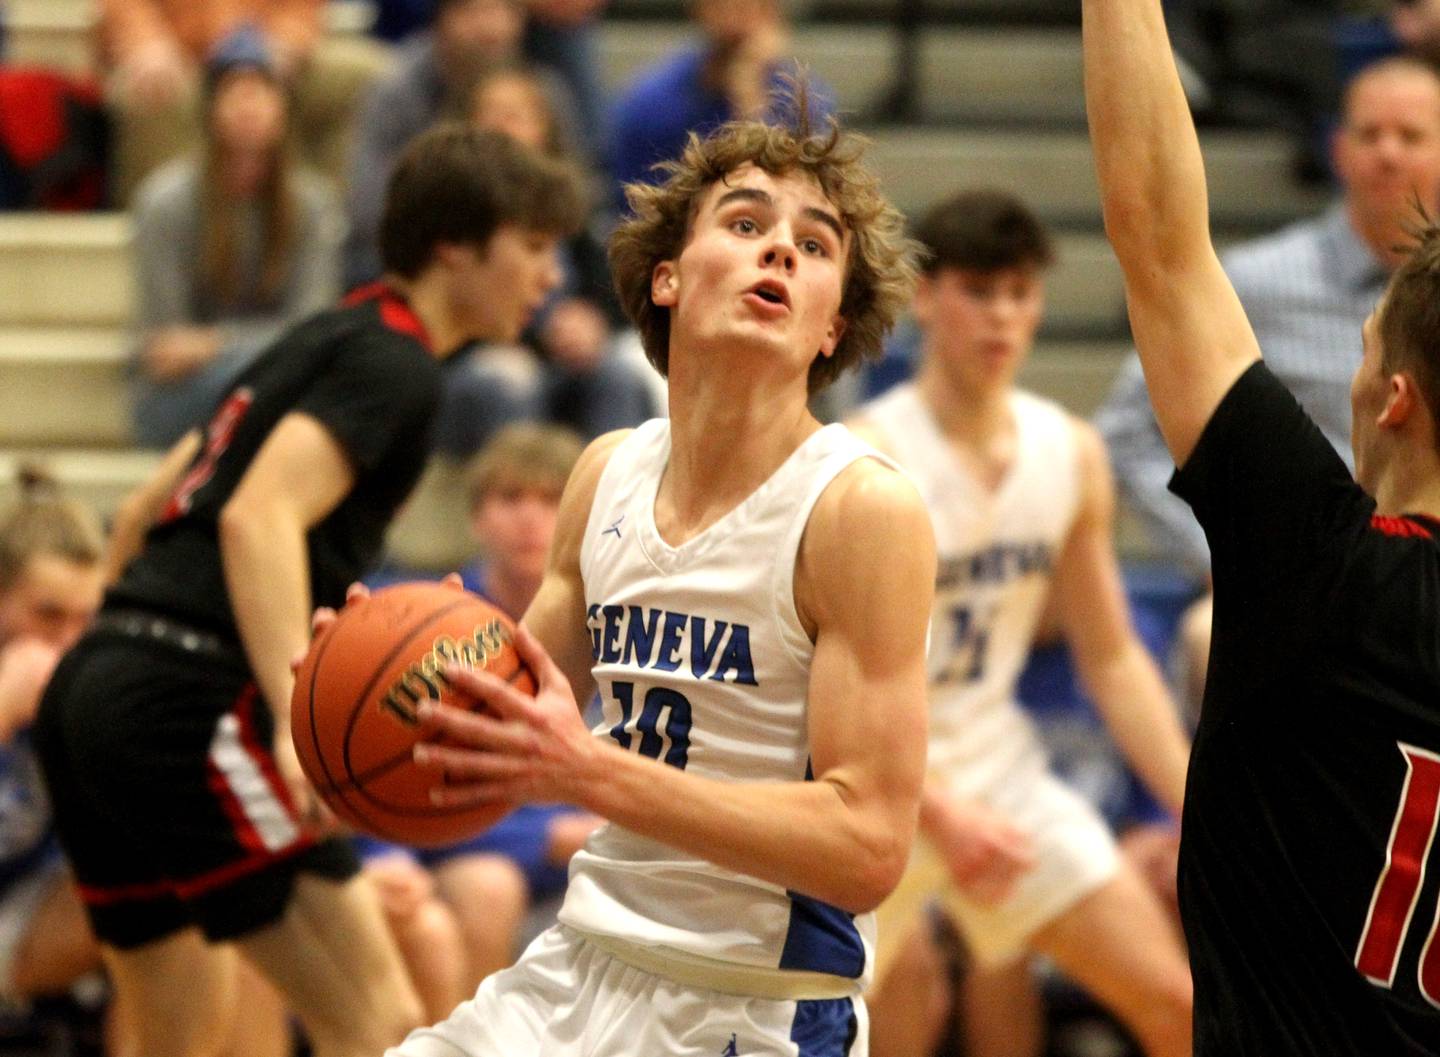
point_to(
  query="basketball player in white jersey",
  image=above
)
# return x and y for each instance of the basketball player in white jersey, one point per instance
(749, 592)
(1021, 498)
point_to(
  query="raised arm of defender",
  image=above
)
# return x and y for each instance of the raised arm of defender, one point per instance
(1191, 331)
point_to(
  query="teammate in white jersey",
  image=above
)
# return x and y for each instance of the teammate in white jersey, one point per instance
(1021, 498)
(749, 593)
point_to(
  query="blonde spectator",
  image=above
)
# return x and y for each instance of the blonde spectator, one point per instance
(50, 584)
(494, 882)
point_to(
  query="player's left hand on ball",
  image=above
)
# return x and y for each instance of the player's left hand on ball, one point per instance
(308, 805)
(509, 746)
(324, 616)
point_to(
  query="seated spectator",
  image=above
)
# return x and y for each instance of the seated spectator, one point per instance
(1416, 25)
(432, 78)
(559, 34)
(50, 585)
(153, 51)
(425, 927)
(734, 71)
(232, 247)
(578, 379)
(562, 35)
(495, 880)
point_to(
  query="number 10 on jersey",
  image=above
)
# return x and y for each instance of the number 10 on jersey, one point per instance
(664, 718)
(1397, 892)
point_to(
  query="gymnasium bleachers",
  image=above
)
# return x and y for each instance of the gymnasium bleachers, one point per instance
(998, 101)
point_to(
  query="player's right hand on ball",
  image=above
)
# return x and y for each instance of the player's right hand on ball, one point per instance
(505, 746)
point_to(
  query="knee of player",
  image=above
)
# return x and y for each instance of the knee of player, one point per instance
(488, 885)
(400, 1013)
(435, 926)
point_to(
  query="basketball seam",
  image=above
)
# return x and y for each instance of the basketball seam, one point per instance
(384, 767)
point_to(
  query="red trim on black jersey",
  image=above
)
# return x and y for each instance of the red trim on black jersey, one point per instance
(395, 311)
(1403, 527)
(1431, 523)
(255, 854)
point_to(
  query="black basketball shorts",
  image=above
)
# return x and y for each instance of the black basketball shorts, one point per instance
(166, 795)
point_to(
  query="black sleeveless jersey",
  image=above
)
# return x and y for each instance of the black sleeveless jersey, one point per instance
(1309, 872)
(364, 371)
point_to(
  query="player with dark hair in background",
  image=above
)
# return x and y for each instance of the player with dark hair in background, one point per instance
(165, 733)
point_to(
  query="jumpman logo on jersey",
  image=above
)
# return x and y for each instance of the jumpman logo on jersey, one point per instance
(731, 1050)
(615, 528)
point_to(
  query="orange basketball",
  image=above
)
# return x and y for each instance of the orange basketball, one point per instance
(353, 712)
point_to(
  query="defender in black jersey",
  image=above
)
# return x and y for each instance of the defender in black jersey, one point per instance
(1314, 784)
(164, 734)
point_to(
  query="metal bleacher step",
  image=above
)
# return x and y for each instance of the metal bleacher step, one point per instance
(431, 529)
(64, 385)
(53, 33)
(880, 12)
(1076, 374)
(65, 269)
(72, 274)
(997, 12)
(1250, 173)
(430, 532)
(1010, 75)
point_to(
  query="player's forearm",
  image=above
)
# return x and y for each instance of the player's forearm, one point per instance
(127, 536)
(268, 576)
(144, 506)
(817, 838)
(1147, 155)
(1132, 698)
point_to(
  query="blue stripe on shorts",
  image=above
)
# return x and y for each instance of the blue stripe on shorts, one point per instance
(824, 1027)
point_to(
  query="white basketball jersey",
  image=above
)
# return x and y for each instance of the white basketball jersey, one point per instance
(702, 662)
(997, 550)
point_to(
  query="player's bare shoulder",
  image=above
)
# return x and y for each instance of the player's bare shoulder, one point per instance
(869, 542)
(866, 429)
(1092, 462)
(579, 495)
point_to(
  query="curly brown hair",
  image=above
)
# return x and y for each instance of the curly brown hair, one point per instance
(880, 271)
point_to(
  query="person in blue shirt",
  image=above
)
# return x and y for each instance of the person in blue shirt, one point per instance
(734, 71)
(493, 882)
